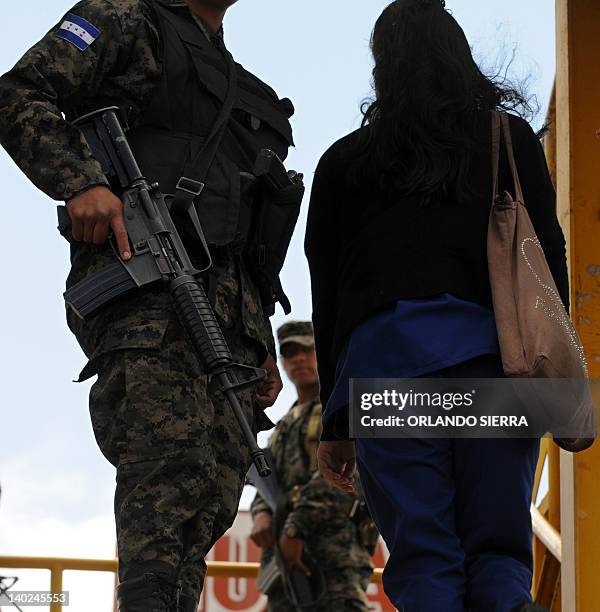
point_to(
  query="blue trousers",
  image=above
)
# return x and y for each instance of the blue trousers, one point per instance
(455, 515)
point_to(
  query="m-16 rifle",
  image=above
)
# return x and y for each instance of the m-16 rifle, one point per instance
(159, 255)
(303, 592)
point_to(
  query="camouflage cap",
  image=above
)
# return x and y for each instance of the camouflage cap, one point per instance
(296, 331)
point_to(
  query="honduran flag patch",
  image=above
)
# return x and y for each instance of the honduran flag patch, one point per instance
(78, 31)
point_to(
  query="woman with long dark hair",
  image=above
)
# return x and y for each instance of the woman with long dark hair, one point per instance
(396, 243)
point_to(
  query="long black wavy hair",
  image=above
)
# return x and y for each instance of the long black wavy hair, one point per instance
(428, 91)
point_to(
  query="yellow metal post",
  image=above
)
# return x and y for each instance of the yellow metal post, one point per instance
(554, 514)
(553, 456)
(56, 583)
(578, 181)
(547, 567)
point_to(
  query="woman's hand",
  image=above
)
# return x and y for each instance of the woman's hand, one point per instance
(269, 388)
(337, 463)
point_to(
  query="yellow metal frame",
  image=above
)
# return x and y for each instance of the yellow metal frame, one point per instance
(548, 544)
(58, 565)
(578, 187)
(571, 508)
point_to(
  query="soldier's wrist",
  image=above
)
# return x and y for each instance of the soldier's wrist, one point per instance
(292, 529)
(73, 190)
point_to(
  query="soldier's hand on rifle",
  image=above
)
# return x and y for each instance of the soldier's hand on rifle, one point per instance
(337, 463)
(291, 552)
(94, 213)
(269, 389)
(262, 530)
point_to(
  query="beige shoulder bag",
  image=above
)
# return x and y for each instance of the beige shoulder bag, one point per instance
(537, 338)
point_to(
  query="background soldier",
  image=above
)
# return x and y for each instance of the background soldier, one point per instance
(334, 525)
(179, 453)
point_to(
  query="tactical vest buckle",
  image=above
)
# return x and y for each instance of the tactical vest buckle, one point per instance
(189, 186)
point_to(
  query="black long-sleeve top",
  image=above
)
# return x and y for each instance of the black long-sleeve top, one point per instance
(365, 252)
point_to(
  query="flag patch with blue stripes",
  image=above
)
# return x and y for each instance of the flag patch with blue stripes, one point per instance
(78, 31)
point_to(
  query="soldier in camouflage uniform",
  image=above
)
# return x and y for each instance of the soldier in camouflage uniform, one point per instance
(179, 453)
(334, 526)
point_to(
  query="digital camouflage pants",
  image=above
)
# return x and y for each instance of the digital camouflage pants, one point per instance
(180, 456)
(179, 453)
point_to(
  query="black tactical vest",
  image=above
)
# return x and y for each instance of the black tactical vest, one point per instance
(182, 112)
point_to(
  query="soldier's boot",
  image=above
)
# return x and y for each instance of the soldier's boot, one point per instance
(186, 603)
(147, 593)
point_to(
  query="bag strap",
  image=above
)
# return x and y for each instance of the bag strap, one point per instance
(495, 152)
(511, 157)
(196, 169)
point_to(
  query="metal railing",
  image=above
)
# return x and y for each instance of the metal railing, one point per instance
(548, 544)
(546, 533)
(58, 565)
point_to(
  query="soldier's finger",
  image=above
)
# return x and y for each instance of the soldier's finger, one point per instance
(302, 567)
(256, 538)
(77, 230)
(264, 540)
(88, 231)
(100, 232)
(118, 227)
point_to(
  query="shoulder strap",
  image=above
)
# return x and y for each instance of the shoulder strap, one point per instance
(511, 157)
(495, 153)
(192, 180)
